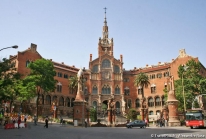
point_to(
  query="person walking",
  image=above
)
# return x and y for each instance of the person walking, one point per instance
(25, 118)
(35, 120)
(85, 124)
(46, 122)
(19, 122)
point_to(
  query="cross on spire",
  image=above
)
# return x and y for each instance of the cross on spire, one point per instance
(105, 10)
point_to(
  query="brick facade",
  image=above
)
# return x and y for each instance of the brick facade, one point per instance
(106, 78)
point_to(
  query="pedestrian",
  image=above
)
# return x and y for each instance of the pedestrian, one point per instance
(61, 120)
(25, 118)
(146, 122)
(85, 124)
(19, 121)
(35, 119)
(46, 122)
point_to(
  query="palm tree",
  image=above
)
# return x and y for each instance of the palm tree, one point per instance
(73, 83)
(142, 80)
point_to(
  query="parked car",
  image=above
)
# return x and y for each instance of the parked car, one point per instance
(136, 123)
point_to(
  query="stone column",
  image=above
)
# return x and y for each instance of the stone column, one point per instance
(172, 105)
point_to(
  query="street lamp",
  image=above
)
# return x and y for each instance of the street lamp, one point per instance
(15, 46)
(183, 88)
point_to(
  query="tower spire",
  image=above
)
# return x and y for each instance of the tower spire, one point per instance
(105, 27)
(105, 19)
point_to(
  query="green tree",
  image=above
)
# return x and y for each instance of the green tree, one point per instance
(142, 80)
(93, 114)
(192, 81)
(42, 77)
(73, 83)
(132, 114)
(11, 84)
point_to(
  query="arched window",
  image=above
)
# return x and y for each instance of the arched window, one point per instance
(72, 104)
(68, 102)
(126, 91)
(117, 90)
(157, 101)
(94, 89)
(106, 89)
(54, 99)
(137, 103)
(116, 69)
(41, 99)
(158, 112)
(48, 100)
(27, 63)
(150, 102)
(129, 103)
(150, 112)
(94, 104)
(61, 101)
(95, 69)
(59, 87)
(106, 63)
(163, 100)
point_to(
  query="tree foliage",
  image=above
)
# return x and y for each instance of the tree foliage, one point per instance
(132, 114)
(142, 80)
(41, 77)
(73, 83)
(191, 80)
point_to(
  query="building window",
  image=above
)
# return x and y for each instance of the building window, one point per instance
(157, 101)
(94, 104)
(153, 88)
(126, 79)
(150, 102)
(140, 90)
(106, 89)
(126, 91)
(94, 90)
(159, 75)
(129, 103)
(66, 76)
(137, 102)
(163, 100)
(59, 87)
(72, 104)
(68, 102)
(59, 74)
(117, 90)
(27, 63)
(61, 101)
(152, 76)
(150, 112)
(116, 69)
(106, 63)
(166, 74)
(48, 100)
(95, 69)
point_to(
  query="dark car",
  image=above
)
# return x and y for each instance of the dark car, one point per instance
(136, 123)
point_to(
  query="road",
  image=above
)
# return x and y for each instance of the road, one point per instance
(57, 131)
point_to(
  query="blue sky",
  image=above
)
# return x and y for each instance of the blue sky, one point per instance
(144, 31)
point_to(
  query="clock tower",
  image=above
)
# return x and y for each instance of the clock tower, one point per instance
(106, 75)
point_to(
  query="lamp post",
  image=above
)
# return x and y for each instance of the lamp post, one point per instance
(183, 88)
(15, 46)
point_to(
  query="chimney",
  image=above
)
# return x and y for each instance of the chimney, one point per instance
(50, 59)
(63, 63)
(147, 65)
(159, 63)
(90, 57)
(121, 58)
(33, 47)
(134, 67)
(73, 66)
(172, 60)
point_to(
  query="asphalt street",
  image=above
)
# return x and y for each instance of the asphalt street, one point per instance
(57, 131)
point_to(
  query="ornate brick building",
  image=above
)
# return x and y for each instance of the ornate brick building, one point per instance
(106, 78)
